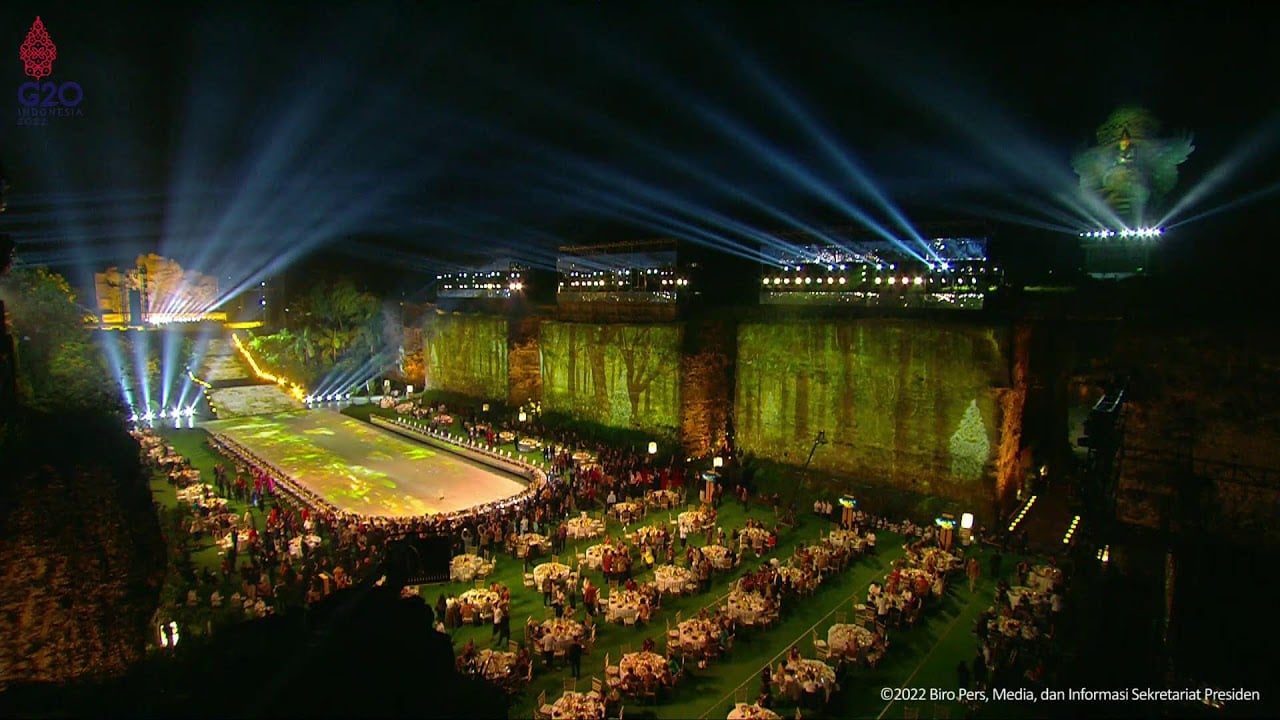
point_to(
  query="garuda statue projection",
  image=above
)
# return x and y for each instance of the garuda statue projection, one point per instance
(1131, 168)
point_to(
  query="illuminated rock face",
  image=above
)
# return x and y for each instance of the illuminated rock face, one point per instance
(1207, 392)
(915, 404)
(466, 354)
(926, 406)
(619, 375)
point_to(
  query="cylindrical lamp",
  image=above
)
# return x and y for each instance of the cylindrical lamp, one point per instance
(717, 461)
(653, 448)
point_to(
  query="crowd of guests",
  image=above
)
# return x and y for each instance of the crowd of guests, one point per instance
(269, 558)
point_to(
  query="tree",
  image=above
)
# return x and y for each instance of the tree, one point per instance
(58, 365)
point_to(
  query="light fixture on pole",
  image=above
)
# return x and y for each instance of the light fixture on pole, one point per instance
(717, 462)
(653, 448)
(966, 528)
(484, 407)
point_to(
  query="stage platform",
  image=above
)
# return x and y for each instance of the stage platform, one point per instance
(363, 469)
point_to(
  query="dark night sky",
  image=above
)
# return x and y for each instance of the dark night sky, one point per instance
(231, 134)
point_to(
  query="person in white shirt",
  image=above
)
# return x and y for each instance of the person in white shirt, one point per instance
(882, 606)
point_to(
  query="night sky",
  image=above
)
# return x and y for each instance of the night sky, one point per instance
(240, 138)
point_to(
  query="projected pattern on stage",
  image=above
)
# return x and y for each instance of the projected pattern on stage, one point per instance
(364, 470)
(617, 375)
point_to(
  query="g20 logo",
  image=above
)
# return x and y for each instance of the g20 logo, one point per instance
(49, 94)
(41, 97)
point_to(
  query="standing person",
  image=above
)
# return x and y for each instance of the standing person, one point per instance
(973, 570)
(575, 657)
(589, 597)
(503, 622)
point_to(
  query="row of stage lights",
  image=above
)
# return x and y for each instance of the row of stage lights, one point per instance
(330, 397)
(512, 286)
(479, 275)
(1144, 232)
(176, 413)
(674, 282)
(904, 281)
(880, 267)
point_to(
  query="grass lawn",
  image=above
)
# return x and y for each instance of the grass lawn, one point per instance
(921, 657)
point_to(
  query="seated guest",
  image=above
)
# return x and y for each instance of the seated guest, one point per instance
(648, 645)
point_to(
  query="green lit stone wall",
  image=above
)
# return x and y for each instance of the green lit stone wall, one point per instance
(466, 354)
(618, 375)
(915, 404)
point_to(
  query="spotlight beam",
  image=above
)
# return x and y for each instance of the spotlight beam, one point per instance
(795, 110)
(1238, 202)
(1255, 147)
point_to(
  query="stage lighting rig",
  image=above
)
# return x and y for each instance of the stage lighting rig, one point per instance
(503, 279)
(1113, 254)
(873, 273)
(647, 271)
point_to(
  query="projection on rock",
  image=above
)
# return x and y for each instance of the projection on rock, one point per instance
(466, 354)
(618, 375)
(902, 402)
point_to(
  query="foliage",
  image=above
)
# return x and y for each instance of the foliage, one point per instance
(336, 327)
(58, 364)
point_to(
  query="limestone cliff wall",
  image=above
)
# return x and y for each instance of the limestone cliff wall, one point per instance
(922, 405)
(1204, 399)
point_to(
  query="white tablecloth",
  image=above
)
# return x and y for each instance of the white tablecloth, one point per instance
(844, 639)
(558, 572)
(577, 706)
(581, 528)
(622, 605)
(671, 579)
(743, 711)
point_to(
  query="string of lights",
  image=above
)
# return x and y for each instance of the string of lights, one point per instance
(292, 388)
